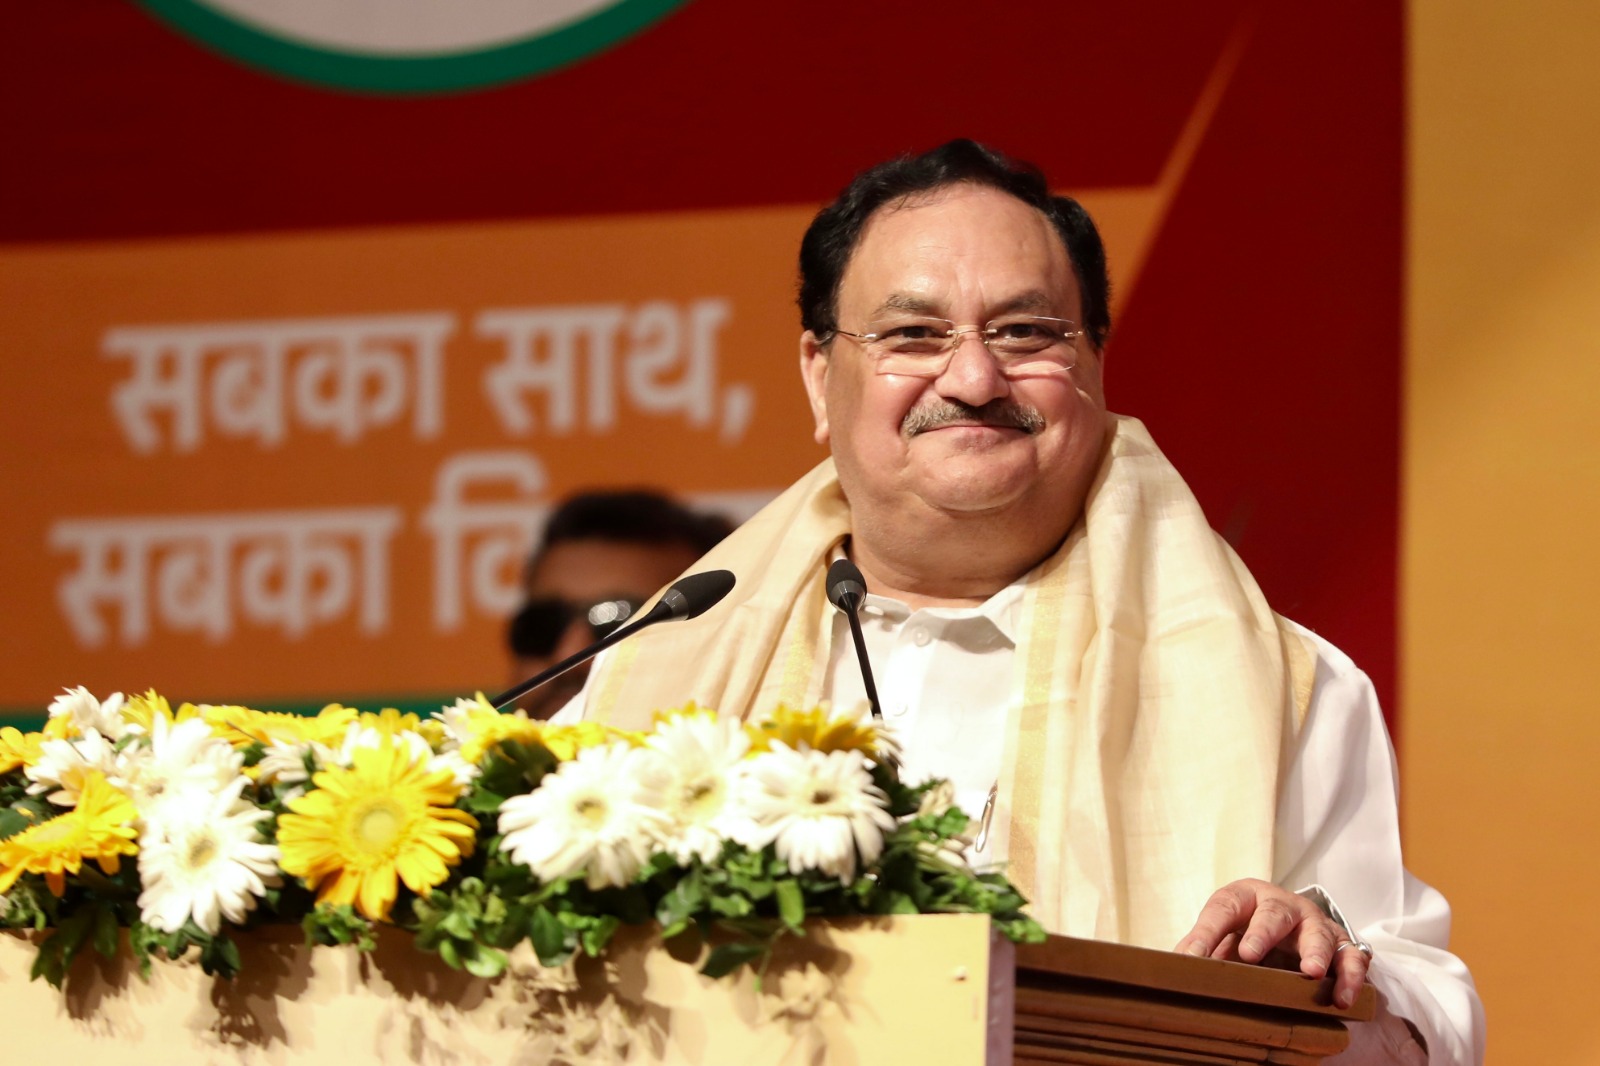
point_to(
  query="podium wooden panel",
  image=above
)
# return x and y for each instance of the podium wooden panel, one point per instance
(1082, 1001)
(923, 989)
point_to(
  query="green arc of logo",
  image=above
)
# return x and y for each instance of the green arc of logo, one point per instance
(415, 74)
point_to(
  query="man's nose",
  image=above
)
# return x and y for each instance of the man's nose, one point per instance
(973, 376)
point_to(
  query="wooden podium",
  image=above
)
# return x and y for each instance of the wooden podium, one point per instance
(922, 989)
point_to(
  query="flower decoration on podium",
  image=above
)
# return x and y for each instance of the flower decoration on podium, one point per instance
(475, 830)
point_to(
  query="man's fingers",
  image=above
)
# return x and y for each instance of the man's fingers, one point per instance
(1247, 919)
(1319, 938)
(1350, 968)
(1227, 949)
(1227, 911)
(1274, 919)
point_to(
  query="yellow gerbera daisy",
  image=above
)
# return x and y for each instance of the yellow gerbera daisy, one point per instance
(60, 727)
(432, 730)
(242, 726)
(821, 729)
(688, 710)
(100, 828)
(141, 711)
(390, 721)
(19, 749)
(485, 729)
(478, 727)
(360, 828)
(565, 741)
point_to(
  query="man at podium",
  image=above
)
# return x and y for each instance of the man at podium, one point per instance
(1053, 625)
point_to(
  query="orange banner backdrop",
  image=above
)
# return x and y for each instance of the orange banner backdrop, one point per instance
(299, 467)
(294, 368)
(303, 466)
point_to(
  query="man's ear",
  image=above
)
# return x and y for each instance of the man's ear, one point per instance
(814, 372)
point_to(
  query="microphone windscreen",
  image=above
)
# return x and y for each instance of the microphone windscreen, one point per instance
(846, 586)
(692, 596)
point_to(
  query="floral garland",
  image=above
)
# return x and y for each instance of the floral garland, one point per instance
(473, 829)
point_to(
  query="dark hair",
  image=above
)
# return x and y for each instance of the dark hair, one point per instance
(832, 237)
(630, 516)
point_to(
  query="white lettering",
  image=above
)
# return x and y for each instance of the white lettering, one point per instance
(289, 570)
(492, 534)
(668, 365)
(346, 376)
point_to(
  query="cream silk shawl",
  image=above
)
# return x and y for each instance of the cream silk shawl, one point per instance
(1154, 703)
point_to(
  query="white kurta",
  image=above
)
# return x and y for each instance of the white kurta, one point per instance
(942, 677)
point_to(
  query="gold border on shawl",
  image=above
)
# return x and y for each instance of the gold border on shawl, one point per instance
(1024, 781)
(605, 700)
(805, 647)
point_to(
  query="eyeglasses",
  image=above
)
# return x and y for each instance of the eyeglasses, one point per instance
(536, 629)
(1023, 345)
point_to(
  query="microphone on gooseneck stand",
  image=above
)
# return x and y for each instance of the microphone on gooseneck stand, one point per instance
(689, 597)
(846, 590)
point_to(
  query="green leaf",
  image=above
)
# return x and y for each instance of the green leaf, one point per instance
(486, 962)
(448, 952)
(731, 905)
(791, 903)
(549, 937)
(105, 932)
(597, 936)
(681, 903)
(512, 926)
(51, 962)
(457, 924)
(483, 801)
(12, 822)
(726, 958)
(219, 956)
(900, 903)
(140, 941)
(76, 929)
(757, 886)
(338, 925)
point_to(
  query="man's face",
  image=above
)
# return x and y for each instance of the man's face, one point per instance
(968, 254)
(582, 572)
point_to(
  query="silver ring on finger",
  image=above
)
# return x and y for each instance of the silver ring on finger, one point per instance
(1360, 945)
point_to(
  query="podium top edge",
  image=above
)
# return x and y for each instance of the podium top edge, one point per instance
(1167, 971)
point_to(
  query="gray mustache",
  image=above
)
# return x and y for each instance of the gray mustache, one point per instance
(1007, 414)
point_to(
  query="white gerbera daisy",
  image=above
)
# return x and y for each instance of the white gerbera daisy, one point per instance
(458, 720)
(176, 758)
(820, 809)
(463, 772)
(205, 859)
(691, 772)
(283, 764)
(64, 762)
(84, 713)
(586, 818)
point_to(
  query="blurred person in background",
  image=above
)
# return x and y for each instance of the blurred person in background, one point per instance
(602, 556)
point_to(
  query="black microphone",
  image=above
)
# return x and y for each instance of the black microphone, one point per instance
(846, 590)
(689, 597)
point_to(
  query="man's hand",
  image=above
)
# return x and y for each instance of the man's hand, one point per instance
(1248, 919)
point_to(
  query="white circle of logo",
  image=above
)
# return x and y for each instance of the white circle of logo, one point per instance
(410, 46)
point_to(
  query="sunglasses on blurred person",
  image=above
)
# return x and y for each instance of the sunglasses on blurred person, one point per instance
(537, 628)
